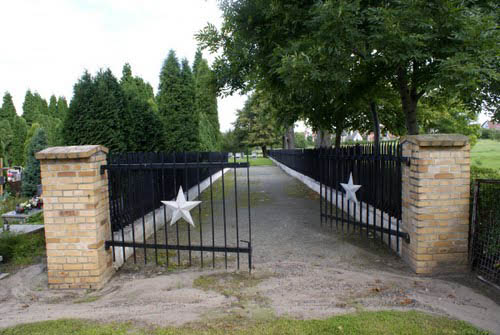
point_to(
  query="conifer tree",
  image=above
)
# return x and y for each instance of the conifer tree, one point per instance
(20, 130)
(97, 114)
(189, 114)
(62, 108)
(8, 110)
(29, 108)
(170, 106)
(206, 106)
(147, 132)
(31, 174)
(52, 110)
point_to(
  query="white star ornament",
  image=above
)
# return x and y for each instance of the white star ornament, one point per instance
(180, 208)
(350, 189)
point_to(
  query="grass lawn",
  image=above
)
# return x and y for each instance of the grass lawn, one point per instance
(385, 322)
(260, 161)
(486, 153)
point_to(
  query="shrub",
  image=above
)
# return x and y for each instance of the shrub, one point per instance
(21, 249)
(31, 175)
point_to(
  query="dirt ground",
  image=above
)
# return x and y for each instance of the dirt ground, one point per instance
(301, 270)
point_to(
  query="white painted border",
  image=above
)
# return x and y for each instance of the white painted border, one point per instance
(337, 196)
(148, 222)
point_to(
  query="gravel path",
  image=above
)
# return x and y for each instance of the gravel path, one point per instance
(301, 270)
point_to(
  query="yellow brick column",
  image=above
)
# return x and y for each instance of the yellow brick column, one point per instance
(76, 214)
(436, 195)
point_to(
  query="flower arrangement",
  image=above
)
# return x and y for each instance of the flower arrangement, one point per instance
(26, 206)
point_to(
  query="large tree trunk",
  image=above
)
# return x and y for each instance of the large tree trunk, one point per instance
(376, 125)
(409, 102)
(289, 138)
(264, 150)
(338, 138)
(323, 139)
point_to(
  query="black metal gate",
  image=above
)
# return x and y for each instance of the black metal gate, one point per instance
(138, 182)
(484, 238)
(379, 172)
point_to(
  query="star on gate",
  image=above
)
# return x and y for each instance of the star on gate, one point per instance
(350, 189)
(180, 208)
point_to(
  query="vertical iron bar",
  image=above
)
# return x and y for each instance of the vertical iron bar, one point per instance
(111, 191)
(131, 193)
(121, 212)
(382, 172)
(236, 207)
(212, 211)
(249, 220)
(165, 208)
(320, 188)
(186, 190)
(143, 172)
(151, 173)
(177, 223)
(224, 209)
(200, 224)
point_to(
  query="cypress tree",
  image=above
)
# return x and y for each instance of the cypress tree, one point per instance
(29, 107)
(97, 114)
(8, 110)
(206, 105)
(62, 108)
(20, 130)
(52, 110)
(169, 104)
(147, 133)
(6, 138)
(189, 115)
(31, 174)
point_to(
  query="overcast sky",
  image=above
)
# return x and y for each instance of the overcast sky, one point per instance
(46, 45)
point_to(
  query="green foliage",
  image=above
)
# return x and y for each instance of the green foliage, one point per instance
(255, 124)
(230, 142)
(97, 113)
(21, 249)
(7, 110)
(31, 174)
(146, 128)
(20, 130)
(301, 142)
(448, 117)
(6, 139)
(175, 100)
(493, 134)
(53, 106)
(62, 108)
(326, 61)
(33, 107)
(206, 104)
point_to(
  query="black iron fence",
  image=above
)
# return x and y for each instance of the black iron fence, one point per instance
(485, 230)
(377, 170)
(134, 177)
(139, 182)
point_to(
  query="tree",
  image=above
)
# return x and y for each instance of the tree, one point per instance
(176, 105)
(6, 138)
(316, 53)
(8, 110)
(147, 133)
(52, 111)
(206, 104)
(255, 124)
(20, 129)
(62, 108)
(31, 174)
(97, 113)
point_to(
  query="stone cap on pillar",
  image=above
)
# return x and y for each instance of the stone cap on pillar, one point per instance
(70, 152)
(436, 140)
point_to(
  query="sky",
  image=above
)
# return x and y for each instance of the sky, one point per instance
(47, 45)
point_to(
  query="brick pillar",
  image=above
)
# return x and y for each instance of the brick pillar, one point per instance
(436, 195)
(76, 216)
